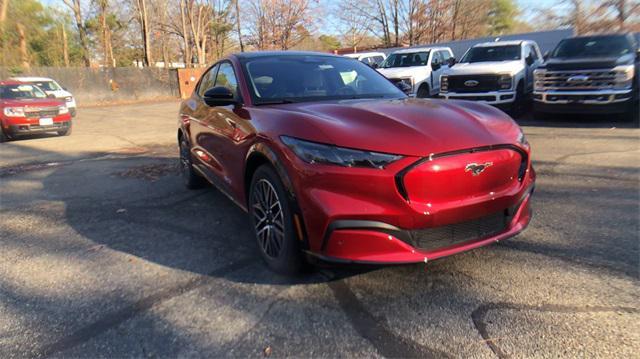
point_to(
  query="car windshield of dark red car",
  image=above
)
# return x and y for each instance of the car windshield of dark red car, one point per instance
(20, 91)
(314, 78)
(492, 53)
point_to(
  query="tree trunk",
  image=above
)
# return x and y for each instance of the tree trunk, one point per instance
(185, 35)
(24, 56)
(144, 27)
(238, 26)
(65, 46)
(74, 5)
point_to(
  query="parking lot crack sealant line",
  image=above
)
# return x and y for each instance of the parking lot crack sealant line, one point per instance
(478, 315)
(118, 317)
(383, 339)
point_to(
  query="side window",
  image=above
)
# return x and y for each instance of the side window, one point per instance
(445, 56)
(534, 53)
(378, 59)
(207, 81)
(227, 78)
(437, 57)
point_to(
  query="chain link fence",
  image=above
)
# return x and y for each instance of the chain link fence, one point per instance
(92, 86)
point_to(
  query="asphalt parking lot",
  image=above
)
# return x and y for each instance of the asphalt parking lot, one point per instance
(103, 253)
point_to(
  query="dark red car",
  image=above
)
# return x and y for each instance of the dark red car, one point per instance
(333, 161)
(25, 109)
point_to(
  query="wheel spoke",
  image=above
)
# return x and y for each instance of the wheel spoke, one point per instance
(268, 218)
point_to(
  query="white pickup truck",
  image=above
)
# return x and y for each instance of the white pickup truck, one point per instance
(418, 68)
(498, 73)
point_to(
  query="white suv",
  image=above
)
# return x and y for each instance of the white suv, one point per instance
(51, 87)
(498, 73)
(418, 68)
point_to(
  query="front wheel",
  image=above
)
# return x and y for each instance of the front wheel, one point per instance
(3, 136)
(423, 92)
(66, 131)
(272, 219)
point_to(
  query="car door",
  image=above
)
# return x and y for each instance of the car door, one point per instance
(436, 64)
(230, 146)
(203, 125)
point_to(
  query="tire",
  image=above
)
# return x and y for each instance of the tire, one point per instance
(423, 92)
(518, 106)
(4, 137)
(67, 131)
(191, 179)
(272, 219)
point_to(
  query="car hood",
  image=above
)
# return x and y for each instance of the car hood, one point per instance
(412, 127)
(30, 102)
(398, 72)
(491, 67)
(588, 63)
(59, 93)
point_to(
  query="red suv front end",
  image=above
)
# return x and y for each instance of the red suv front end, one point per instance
(24, 110)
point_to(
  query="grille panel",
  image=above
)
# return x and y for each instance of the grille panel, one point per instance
(581, 80)
(440, 237)
(42, 112)
(485, 83)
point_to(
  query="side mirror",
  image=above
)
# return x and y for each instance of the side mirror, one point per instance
(545, 56)
(219, 96)
(51, 95)
(452, 61)
(435, 65)
(403, 87)
(375, 65)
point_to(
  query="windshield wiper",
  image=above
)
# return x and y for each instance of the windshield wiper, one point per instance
(275, 102)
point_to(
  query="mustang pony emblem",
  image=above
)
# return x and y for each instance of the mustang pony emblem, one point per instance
(476, 168)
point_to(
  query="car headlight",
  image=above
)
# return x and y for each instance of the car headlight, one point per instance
(505, 82)
(522, 139)
(624, 76)
(62, 110)
(538, 79)
(444, 83)
(312, 152)
(68, 99)
(14, 111)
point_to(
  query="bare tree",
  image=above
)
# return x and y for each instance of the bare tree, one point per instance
(105, 33)
(353, 24)
(238, 27)
(143, 21)
(279, 24)
(76, 8)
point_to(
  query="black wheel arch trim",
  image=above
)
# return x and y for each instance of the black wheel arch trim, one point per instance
(264, 150)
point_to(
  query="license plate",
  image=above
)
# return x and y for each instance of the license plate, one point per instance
(46, 121)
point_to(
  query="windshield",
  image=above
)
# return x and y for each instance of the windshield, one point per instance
(47, 85)
(406, 59)
(22, 91)
(282, 79)
(492, 53)
(593, 47)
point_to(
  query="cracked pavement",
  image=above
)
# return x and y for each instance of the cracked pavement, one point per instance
(103, 253)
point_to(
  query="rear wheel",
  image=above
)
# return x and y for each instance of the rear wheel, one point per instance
(423, 91)
(272, 219)
(190, 178)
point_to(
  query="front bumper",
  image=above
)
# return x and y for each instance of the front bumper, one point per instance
(600, 101)
(366, 216)
(34, 128)
(492, 98)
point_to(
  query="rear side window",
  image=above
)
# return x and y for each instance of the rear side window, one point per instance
(445, 55)
(377, 60)
(227, 77)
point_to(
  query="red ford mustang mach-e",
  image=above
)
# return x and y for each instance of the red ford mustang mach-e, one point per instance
(332, 161)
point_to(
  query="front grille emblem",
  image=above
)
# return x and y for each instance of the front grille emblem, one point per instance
(476, 168)
(577, 79)
(471, 83)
